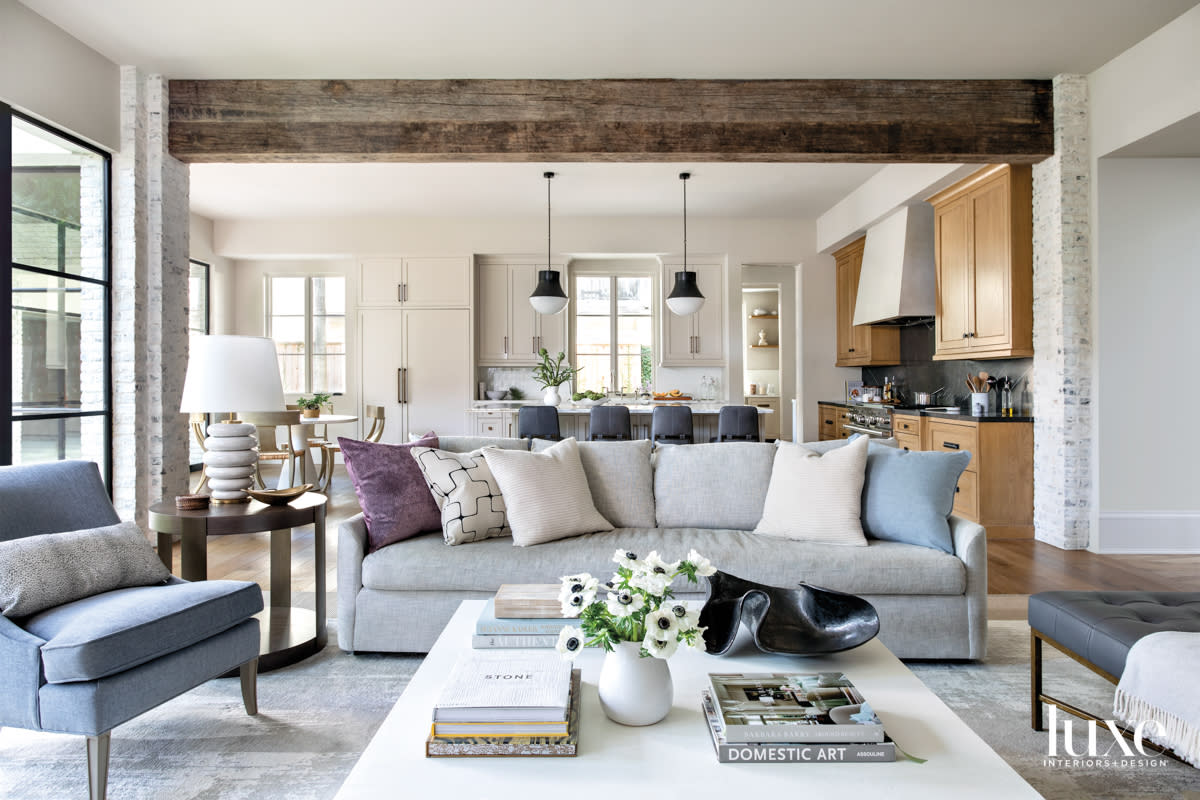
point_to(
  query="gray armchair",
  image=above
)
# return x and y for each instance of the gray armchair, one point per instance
(86, 666)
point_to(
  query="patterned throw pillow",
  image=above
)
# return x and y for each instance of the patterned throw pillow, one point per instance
(466, 492)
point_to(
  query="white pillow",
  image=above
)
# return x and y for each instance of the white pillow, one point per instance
(467, 493)
(816, 498)
(546, 493)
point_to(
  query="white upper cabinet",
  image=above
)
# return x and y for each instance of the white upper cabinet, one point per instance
(402, 282)
(697, 340)
(510, 331)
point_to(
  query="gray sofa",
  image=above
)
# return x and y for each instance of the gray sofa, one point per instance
(931, 604)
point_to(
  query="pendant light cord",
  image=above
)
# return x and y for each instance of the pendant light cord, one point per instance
(548, 176)
(683, 176)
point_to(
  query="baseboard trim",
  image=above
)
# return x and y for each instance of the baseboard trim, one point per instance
(1149, 532)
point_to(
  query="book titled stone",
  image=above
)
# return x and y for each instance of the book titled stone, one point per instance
(789, 753)
(489, 623)
(499, 641)
(490, 686)
(818, 708)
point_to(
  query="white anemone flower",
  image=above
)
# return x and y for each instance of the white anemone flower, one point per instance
(622, 603)
(627, 559)
(654, 563)
(697, 641)
(704, 567)
(570, 642)
(662, 624)
(660, 647)
(650, 582)
(574, 604)
(583, 583)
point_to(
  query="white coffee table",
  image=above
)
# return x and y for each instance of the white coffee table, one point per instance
(675, 758)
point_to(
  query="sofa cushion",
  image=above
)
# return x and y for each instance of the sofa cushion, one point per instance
(423, 563)
(395, 501)
(908, 496)
(466, 491)
(109, 633)
(719, 485)
(620, 477)
(40, 572)
(816, 498)
(546, 494)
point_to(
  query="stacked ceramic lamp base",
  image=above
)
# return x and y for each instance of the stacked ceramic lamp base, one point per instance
(230, 458)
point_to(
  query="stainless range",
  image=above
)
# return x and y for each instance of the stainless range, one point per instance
(873, 421)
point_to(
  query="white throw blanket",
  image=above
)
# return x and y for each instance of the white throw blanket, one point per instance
(1159, 683)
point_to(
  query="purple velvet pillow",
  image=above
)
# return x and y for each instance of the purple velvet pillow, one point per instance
(395, 500)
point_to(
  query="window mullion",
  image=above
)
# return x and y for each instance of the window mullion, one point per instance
(308, 337)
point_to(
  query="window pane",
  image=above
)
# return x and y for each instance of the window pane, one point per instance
(592, 295)
(329, 374)
(329, 335)
(287, 295)
(57, 344)
(58, 203)
(197, 298)
(288, 333)
(291, 370)
(41, 440)
(633, 296)
(329, 295)
(594, 373)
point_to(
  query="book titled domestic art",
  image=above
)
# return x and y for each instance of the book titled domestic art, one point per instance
(795, 708)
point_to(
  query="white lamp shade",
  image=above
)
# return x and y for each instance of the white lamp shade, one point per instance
(232, 374)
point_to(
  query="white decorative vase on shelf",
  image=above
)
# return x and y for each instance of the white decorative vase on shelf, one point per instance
(550, 396)
(635, 690)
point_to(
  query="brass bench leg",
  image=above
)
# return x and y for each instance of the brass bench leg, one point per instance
(1035, 680)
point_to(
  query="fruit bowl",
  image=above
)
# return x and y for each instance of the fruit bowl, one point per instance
(279, 497)
(589, 403)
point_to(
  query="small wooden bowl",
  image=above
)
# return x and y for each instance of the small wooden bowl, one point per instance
(191, 502)
(279, 497)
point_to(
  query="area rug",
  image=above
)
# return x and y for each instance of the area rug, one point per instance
(317, 717)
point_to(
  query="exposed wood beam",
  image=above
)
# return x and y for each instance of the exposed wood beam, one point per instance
(972, 121)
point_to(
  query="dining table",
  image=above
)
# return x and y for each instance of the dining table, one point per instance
(300, 435)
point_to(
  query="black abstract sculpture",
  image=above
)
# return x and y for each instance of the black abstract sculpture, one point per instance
(804, 621)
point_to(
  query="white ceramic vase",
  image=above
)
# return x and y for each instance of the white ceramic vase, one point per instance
(635, 690)
(550, 396)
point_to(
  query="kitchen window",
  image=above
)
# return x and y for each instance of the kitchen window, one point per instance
(613, 330)
(306, 316)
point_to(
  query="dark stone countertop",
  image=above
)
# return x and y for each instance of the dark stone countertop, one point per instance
(921, 412)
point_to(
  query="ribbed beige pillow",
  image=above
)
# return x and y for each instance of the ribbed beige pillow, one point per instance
(546, 493)
(816, 498)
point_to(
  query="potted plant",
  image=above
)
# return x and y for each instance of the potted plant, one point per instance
(551, 374)
(311, 406)
(639, 627)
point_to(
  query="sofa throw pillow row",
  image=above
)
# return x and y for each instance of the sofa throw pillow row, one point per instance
(814, 497)
(395, 499)
(718, 485)
(620, 477)
(41, 572)
(546, 494)
(466, 492)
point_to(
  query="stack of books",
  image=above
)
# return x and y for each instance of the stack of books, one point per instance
(492, 631)
(792, 718)
(498, 704)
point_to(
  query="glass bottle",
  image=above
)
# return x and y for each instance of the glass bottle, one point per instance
(1006, 402)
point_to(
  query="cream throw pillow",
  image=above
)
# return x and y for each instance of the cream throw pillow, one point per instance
(816, 498)
(546, 493)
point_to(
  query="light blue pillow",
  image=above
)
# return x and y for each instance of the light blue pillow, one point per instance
(908, 495)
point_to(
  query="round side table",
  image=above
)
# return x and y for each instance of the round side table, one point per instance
(288, 634)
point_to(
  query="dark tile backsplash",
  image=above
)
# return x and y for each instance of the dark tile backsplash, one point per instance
(920, 373)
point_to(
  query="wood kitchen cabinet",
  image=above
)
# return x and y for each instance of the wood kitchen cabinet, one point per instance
(768, 423)
(827, 422)
(510, 332)
(859, 345)
(983, 234)
(407, 282)
(697, 340)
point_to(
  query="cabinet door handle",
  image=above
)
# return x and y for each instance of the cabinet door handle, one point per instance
(957, 489)
(851, 349)
(950, 445)
(533, 343)
(402, 385)
(828, 422)
(965, 335)
(505, 346)
(400, 294)
(404, 293)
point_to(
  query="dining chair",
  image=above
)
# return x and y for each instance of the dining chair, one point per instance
(378, 417)
(671, 425)
(269, 448)
(538, 422)
(609, 423)
(738, 424)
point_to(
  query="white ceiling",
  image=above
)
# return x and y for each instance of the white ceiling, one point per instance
(613, 39)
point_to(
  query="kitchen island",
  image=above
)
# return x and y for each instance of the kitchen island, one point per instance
(499, 418)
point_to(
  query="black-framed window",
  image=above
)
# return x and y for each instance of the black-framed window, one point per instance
(57, 370)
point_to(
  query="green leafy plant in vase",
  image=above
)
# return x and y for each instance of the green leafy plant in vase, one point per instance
(311, 406)
(552, 373)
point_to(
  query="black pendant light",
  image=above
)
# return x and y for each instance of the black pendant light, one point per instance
(685, 298)
(548, 296)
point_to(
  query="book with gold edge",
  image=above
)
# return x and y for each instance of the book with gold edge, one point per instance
(507, 746)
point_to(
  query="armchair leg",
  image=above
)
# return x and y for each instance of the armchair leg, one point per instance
(249, 674)
(97, 756)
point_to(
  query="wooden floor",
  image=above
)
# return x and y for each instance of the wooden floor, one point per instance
(1016, 567)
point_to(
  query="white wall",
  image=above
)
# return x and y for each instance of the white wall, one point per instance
(1147, 346)
(53, 76)
(221, 276)
(817, 299)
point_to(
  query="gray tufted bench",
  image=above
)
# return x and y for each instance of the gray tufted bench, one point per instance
(1097, 629)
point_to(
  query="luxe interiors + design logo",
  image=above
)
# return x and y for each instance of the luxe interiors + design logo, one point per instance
(1089, 751)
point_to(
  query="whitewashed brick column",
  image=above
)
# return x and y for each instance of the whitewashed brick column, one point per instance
(1062, 329)
(93, 193)
(150, 299)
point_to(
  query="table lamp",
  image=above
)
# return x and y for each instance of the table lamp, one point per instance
(225, 375)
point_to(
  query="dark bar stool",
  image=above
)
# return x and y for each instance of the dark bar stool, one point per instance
(737, 424)
(538, 422)
(610, 424)
(671, 425)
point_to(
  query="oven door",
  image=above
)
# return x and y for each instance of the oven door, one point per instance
(874, 433)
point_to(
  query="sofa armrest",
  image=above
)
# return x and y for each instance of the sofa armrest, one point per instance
(970, 545)
(20, 676)
(352, 549)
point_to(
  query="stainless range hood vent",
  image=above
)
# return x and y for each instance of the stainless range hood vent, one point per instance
(898, 283)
